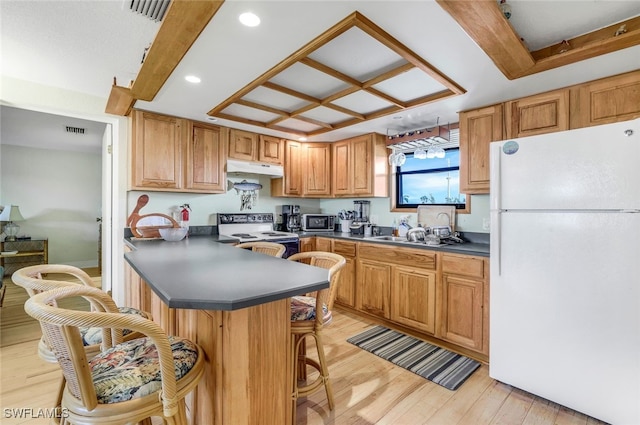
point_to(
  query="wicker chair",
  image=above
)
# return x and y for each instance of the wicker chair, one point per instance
(309, 314)
(269, 248)
(128, 382)
(30, 278)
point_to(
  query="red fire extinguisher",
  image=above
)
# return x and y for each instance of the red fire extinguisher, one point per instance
(184, 213)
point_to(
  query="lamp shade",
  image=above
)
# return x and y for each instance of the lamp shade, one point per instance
(11, 213)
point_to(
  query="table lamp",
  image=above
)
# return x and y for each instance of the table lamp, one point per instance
(11, 213)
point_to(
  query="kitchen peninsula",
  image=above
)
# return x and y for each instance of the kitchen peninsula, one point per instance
(235, 304)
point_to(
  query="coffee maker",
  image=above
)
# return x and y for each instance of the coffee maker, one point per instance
(291, 218)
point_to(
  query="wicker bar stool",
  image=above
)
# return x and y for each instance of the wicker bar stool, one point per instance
(31, 279)
(269, 248)
(127, 382)
(309, 314)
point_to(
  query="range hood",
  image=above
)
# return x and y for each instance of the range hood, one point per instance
(245, 167)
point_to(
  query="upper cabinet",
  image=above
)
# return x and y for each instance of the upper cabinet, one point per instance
(206, 157)
(156, 151)
(243, 145)
(478, 129)
(270, 149)
(317, 170)
(606, 101)
(597, 102)
(360, 167)
(291, 183)
(176, 155)
(543, 113)
(248, 146)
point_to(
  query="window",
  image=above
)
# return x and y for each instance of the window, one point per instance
(432, 181)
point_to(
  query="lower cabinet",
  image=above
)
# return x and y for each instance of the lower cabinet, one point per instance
(346, 293)
(373, 287)
(307, 244)
(413, 298)
(465, 302)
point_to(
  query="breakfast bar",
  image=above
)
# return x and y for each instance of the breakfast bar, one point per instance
(235, 304)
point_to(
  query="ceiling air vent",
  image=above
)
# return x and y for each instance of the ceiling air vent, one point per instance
(75, 130)
(152, 9)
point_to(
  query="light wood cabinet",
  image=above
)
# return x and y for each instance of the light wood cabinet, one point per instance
(317, 170)
(603, 101)
(478, 129)
(373, 287)
(606, 101)
(248, 146)
(323, 244)
(346, 292)
(360, 167)
(307, 244)
(243, 145)
(205, 158)
(413, 298)
(291, 184)
(156, 151)
(176, 155)
(270, 149)
(397, 284)
(465, 302)
(543, 113)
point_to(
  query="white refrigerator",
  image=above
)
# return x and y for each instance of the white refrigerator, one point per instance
(565, 268)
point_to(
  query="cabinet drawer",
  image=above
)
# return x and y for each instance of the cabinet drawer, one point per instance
(466, 266)
(346, 249)
(393, 254)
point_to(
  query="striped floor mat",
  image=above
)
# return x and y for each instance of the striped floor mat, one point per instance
(429, 361)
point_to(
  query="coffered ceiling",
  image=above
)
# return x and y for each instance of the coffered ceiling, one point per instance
(392, 65)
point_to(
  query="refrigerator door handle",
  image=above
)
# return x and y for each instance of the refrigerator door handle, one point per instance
(498, 231)
(494, 176)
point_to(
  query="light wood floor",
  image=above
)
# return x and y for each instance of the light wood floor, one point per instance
(368, 390)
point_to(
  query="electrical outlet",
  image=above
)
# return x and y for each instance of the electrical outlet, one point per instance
(486, 223)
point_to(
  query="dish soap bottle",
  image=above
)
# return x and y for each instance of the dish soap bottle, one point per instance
(394, 231)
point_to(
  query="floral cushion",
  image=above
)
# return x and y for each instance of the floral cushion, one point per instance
(91, 336)
(304, 308)
(132, 370)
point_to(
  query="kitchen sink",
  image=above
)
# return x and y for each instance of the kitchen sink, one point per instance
(388, 238)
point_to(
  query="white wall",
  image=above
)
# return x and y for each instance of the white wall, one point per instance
(206, 206)
(45, 184)
(381, 207)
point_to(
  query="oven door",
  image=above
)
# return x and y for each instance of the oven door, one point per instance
(292, 246)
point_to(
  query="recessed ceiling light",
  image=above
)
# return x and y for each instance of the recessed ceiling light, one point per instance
(302, 139)
(249, 19)
(192, 79)
(397, 117)
(212, 119)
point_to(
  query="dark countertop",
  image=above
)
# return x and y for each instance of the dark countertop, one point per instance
(201, 273)
(477, 244)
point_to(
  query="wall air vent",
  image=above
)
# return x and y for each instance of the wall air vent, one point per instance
(75, 130)
(152, 9)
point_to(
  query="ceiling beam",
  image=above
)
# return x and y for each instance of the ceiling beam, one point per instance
(182, 24)
(484, 22)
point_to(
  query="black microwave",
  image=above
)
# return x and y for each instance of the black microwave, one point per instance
(318, 222)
